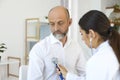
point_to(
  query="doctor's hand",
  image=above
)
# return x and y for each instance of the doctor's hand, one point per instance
(62, 70)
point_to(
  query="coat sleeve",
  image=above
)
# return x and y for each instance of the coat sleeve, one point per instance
(71, 76)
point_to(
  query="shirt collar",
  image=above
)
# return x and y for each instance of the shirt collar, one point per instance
(54, 40)
(69, 40)
(102, 45)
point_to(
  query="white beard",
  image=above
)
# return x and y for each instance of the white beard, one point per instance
(59, 36)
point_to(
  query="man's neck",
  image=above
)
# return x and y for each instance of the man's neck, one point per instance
(63, 40)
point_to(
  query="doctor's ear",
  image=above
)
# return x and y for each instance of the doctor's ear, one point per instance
(91, 34)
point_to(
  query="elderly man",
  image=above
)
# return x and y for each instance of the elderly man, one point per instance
(57, 45)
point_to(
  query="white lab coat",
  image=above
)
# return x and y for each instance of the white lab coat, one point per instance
(103, 65)
(41, 66)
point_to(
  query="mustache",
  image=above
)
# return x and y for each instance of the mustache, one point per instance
(59, 32)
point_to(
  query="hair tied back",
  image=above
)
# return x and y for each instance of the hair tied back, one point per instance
(110, 28)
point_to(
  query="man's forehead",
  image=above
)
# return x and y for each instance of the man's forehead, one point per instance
(56, 21)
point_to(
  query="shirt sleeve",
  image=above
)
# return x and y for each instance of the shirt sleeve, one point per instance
(80, 67)
(36, 64)
(81, 64)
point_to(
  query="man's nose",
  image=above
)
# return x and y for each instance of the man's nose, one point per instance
(56, 27)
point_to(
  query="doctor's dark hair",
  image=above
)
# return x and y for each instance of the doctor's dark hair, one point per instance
(99, 22)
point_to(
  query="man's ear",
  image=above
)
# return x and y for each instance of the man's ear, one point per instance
(70, 21)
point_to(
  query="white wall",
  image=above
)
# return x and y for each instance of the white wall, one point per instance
(12, 21)
(78, 8)
(87, 5)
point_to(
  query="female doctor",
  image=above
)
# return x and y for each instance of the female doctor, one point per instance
(98, 34)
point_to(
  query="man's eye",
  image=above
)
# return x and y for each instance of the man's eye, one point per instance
(51, 24)
(61, 23)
